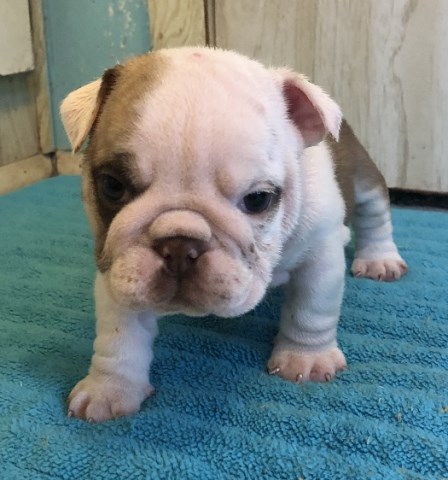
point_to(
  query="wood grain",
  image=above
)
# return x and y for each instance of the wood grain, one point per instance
(383, 61)
(39, 79)
(16, 50)
(25, 119)
(24, 172)
(268, 30)
(68, 163)
(18, 119)
(176, 23)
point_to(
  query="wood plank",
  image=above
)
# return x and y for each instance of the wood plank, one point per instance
(39, 79)
(25, 119)
(176, 23)
(18, 119)
(68, 163)
(269, 30)
(209, 19)
(16, 51)
(420, 72)
(24, 172)
(365, 54)
(38, 167)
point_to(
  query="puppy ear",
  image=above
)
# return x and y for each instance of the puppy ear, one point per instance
(313, 112)
(80, 109)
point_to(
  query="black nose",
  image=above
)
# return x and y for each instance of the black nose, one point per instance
(180, 253)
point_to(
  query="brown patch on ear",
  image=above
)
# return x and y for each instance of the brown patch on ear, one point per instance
(125, 86)
(108, 82)
(81, 108)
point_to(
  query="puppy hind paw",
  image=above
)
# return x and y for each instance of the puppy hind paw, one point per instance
(387, 270)
(302, 367)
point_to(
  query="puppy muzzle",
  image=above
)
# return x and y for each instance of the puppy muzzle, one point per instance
(180, 237)
(179, 265)
(179, 223)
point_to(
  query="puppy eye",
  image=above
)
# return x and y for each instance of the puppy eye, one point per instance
(111, 188)
(257, 202)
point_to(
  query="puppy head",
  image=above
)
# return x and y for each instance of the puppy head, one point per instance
(191, 178)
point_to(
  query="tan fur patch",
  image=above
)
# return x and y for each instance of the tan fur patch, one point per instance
(111, 131)
(118, 114)
(353, 164)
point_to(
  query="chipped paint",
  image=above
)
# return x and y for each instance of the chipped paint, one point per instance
(84, 38)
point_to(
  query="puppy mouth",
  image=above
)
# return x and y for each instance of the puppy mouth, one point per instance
(216, 284)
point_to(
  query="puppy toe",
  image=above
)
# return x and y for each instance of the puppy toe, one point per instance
(376, 271)
(394, 270)
(78, 401)
(301, 367)
(359, 268)
(387, 270)
(284, 365)
(97, 399)
(98, 411)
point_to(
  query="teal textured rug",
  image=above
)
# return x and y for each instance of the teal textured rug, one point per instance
(216, 413)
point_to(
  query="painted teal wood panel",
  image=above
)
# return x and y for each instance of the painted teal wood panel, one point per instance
(83, 38)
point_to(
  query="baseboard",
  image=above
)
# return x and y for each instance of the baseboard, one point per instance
(25, 172)
(414, 198)
(68, 163)
(38, 167)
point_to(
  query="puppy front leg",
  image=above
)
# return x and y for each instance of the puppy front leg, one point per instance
(305, 347)
(118, 379)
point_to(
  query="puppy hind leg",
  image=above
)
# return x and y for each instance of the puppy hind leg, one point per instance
(376, 254)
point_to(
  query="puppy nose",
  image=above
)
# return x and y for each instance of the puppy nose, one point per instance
(180, 253)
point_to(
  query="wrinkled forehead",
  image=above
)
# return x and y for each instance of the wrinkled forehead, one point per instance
(206, 113)
(209, 114)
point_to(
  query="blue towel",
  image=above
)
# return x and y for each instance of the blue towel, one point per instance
(216, 413)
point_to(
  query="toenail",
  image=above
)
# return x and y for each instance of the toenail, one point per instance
(328, 377)
(274, 371)
(299, 377)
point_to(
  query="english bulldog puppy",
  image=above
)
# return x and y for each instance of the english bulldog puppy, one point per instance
(208, 179)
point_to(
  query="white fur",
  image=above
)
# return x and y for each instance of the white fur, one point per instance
(314, 258)
(118, 379)
(327, 108)
(373, 226)
(376, 255)
(322, 208)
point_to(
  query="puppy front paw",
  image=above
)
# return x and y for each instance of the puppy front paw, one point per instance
(302, 367)
(97, 398)
(387, 270)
